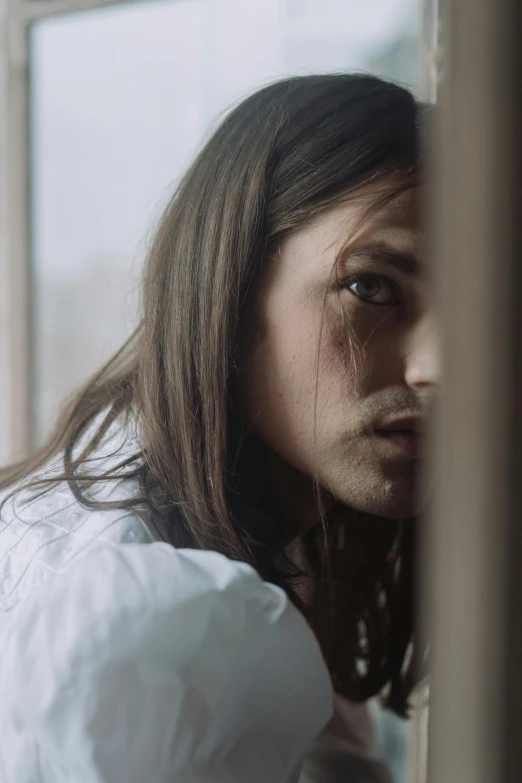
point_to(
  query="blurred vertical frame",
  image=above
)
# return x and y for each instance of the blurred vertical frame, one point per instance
(472, 549)
(429, 45)
(15, 283)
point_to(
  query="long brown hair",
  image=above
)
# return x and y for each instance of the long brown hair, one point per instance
(284, 153)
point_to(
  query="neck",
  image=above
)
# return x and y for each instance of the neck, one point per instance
(279, 486)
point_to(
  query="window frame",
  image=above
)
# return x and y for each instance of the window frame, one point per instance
(16, 284)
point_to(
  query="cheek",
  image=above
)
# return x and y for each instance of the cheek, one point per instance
(344, 337)
(287, 394)
(279, 378)
(362, 345)
(285, 357)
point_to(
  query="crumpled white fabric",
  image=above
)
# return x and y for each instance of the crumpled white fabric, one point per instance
(140, 662)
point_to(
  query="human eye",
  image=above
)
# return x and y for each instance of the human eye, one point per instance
(373, 289)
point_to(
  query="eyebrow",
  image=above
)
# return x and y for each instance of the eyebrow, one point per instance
(384, 253)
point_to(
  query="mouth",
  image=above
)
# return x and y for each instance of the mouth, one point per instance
(404, 436)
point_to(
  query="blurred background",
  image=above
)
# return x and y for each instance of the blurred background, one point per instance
(121, 95)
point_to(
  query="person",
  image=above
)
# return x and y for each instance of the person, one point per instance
(208, 569)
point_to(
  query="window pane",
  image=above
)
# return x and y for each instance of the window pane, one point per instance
(122, 98)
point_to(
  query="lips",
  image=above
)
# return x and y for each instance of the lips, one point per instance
(409, 424)
(403, 435)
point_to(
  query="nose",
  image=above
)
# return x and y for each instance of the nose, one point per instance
(423, 368)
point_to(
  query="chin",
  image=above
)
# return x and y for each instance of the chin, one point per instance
(382, 497)
(399, 503)
(404, 510)
(407, 511)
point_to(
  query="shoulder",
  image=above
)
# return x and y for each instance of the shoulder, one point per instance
(147, 661)
(42, 534)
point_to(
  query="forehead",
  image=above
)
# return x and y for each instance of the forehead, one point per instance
(362, 216)
(374, 212)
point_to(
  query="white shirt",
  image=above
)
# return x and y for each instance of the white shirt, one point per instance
(125, 660)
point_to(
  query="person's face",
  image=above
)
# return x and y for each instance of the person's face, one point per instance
(321, 407)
